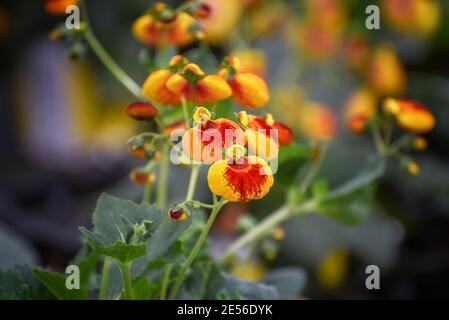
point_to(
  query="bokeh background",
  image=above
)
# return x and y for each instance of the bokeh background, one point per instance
(63, 137)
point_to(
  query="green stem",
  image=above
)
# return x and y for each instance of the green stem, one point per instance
(111, 65)
(185, 112)
(192, 182)
(105, 278)
(266, 226)
(163, 176)
(125, 268)
(312, 171)
(165, 280)
(377, 137)
(196, 249)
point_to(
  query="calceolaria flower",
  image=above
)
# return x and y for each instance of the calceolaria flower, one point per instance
(262, 139)
(142, 177)
(248, 89)
(192, 84)
(410, 115)
(164, 26)
(283, 132)
(154, 86)
(58, 7)
(206, 141)
(178, 213)
(141, 111)
(318, 122)
(240, 178)
(359, 109)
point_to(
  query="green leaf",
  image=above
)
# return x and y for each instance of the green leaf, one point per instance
(86, 260)
(114, 223)
(288, 281)
(248, 289)
(319, 188)
(353, 201)
(290, 160)
(12, 286)
(56, 283)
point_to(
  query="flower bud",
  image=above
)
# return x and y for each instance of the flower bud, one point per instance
(178, 213)
(419, 143)
(278, 233)
(142, 177)
(141, 111)
(412, 168)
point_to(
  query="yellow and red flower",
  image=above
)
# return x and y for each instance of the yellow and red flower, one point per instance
(240, 178)
(142, 177)
(261, 138)
(385, 73)
(248, 89)
(141, 111)
(207, 141)
(194, 85)
(410, 115)
(318, 122)
(178, 213)
(284, 133)
(163, 26)
(58, 7)
(252, 61)
(359, 109)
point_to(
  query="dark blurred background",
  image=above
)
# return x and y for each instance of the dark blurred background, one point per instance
(63, 139)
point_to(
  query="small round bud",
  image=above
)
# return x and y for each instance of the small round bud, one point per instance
(141, 111)
(142, 177)
(278, 234)
(412, 168)
(419, 143)
(178, 213)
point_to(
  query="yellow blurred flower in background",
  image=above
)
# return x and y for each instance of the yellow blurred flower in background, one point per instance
(333, 268)
(252, 61)
(250, 271)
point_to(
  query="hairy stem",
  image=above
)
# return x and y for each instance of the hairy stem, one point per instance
(163, 177)
(125, 268)
(196, 248)
(192, 182)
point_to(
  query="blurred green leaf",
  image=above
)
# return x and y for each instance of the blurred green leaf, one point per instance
(56, 283)
(12, 286)
(289, 282)
(290, 160)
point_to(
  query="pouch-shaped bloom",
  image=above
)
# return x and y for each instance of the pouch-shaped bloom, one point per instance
(141, 111)
(359, 109)
(240, 178)
(207, 141)
(318, 122)
(252, 61)
(163, 26)
(194, 85)
(248, 89)
(261, 138)
(58, 7)
(385, 72)
(284, 133)
(154, 86)
(410, 115)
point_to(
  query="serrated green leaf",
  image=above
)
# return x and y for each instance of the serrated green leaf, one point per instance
(56, 283)
(12, 286)
(122, 252)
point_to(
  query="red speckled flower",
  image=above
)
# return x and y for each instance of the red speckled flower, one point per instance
(240, 178)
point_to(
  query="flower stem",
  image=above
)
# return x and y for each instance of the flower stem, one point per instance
(105, 278)
(192, 182)
(377, 137)
(196, 248)
(125, 268)
(163, 176)
(267, 225)
(185, 111)
(165, 280)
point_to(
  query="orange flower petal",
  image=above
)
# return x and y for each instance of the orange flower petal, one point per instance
(154, 88)
(413, 116)
(249, 90)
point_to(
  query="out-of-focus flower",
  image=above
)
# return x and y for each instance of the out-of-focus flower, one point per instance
(356, 51)
(178, 213)
(228, 220)
(250, 271)
(154, 86)
(419, 143)
(261, 138)
(240, 178)
(179, 126)
(410, 116)
(248, 89)
(415, 17)
(192, 84)
(141, 111)
(266, 17)
(412, 168)
(385, 72)
(278, 233)
(287, 103)
(284, 133)
(329, 13)
(318, 122)
(222, 19)
(251, 61)
(333, 268)
(359, 109)
(58, 7)
(207, 141)
(142, 177)
(163, 26)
